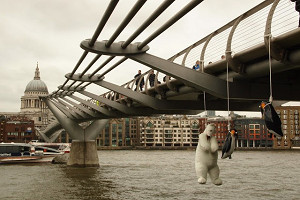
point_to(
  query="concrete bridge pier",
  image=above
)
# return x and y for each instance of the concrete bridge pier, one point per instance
(83, 154)
(83, 150)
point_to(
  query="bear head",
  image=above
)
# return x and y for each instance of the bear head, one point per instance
(210, 129)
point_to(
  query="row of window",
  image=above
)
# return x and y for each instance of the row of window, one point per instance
(169, 135)
(17, 134)
(291, 117)
(175, 140)
(291, 121)
(168, 131)
(285, 112)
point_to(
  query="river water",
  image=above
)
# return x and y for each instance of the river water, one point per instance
(156, 174)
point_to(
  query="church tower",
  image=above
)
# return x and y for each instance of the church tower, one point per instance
(31, 105)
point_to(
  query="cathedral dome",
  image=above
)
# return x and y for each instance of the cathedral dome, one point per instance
(36, 85)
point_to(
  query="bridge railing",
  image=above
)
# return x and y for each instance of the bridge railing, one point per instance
(249, 31)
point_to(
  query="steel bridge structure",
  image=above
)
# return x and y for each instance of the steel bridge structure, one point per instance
(262, 41)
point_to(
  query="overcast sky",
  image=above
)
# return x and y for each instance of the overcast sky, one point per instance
(49, 32)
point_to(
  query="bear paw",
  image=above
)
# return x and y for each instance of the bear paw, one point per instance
(202, 180)
(217, 181)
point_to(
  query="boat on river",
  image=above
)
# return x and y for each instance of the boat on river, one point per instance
(63, 147)
(26, 153)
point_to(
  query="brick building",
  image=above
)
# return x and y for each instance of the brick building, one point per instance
(289, 116)
(18, 129)
(252, 133)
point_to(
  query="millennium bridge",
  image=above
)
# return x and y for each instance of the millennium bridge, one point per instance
(261, 62)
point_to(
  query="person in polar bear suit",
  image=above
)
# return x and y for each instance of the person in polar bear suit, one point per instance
(207, 156)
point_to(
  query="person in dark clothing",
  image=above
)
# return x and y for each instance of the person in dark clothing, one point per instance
(297, 8)
(151, 78)
(138, 77)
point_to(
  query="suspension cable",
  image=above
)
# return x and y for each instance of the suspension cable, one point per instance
(270, 68)
(228, 106)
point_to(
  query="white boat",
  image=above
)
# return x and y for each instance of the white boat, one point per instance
(62, 147)
(26, 153)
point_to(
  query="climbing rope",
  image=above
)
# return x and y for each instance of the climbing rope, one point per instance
(204, 94)
(204, 104)
(228, 105)
(270, 68)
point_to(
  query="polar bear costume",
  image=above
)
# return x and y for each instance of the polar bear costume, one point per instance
(207, 156)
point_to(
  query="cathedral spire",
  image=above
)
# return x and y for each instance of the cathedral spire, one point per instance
(37, 72)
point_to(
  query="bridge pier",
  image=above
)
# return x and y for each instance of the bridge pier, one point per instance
(83, 154)
(83, 150)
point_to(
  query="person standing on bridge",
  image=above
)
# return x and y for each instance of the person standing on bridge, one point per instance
(137, 80)
(151, 78)
(297, 8)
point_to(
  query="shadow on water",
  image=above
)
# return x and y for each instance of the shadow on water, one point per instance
(88, 183)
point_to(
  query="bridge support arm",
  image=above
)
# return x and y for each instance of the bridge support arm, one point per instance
(73, 129)
(202, 81)
(93, 130)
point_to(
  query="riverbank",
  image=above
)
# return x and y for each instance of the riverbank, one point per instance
(191, 148)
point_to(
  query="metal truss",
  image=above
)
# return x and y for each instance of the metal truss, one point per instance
(182, 92)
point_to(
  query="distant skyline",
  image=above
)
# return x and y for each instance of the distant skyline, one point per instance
(49, 32)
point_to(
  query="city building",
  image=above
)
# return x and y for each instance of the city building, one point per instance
(119, 133)
(183, 131)
(16, 129)
(252, 133)
(289, 116)
(169, 131)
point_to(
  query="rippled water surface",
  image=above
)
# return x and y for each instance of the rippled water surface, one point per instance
(157, 175)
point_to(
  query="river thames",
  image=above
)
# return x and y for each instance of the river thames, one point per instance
(155, 174)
